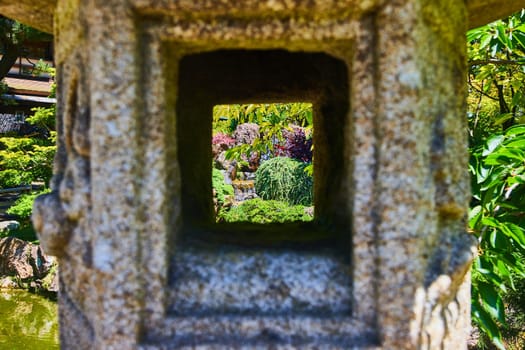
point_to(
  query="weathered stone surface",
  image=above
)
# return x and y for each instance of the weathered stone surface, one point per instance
(256, 282)
(132, 206)
(52, 225)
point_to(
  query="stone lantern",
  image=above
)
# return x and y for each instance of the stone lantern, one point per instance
(143, 266)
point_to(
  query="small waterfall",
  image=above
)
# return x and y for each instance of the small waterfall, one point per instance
(243, 190)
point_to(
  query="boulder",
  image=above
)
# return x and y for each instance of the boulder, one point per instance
(221, 162)
(24, 260)
(9, 225)
(246, 133)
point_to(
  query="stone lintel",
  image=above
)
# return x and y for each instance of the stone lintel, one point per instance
(39, 14)
(482, 12)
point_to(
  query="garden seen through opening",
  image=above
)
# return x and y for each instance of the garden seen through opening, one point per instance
(262, 166)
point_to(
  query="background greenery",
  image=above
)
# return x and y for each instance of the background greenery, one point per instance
(496, 107)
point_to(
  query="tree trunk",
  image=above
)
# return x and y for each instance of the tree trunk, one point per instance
(504, 107)
(11, 53)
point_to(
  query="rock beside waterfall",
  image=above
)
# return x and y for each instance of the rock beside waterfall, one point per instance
(9, 225)
(24, 265)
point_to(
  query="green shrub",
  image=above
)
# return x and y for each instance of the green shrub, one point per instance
(221, 188)
(24, 205)
(23, 208)
(12, 178)
(284, 179)
(264, 212)
(26, 159)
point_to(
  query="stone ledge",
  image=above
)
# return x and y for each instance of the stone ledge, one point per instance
(260, 282)
(275, 332)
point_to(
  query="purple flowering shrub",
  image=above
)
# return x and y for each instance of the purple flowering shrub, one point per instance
(296, 145)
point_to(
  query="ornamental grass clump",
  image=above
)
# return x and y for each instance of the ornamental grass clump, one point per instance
(284, 179)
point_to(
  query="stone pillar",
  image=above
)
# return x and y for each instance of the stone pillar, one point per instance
(422, 182)
(394, 274)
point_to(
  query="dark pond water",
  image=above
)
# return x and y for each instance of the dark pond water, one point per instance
(27, 321)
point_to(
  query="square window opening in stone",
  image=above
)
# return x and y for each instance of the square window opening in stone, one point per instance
(224, 77)
(262, 155)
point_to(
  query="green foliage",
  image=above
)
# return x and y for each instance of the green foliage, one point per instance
(43, 117)
(222, 190)
(24, 205)
(272, 119)
(265, 212)
(496, 108)
(18, 33)
(496, 75)
(284, 179)
(227, 117)
(26, 159)
(497, 218)
(10, 178)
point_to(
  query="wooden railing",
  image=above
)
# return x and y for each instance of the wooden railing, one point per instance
(26, 188)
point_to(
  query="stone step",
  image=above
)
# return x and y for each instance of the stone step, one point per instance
(262, 282)
(252, 332)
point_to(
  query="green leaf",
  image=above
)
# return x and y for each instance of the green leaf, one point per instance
(520, 144)
(504, 156)
(518, 233)
(474, 216)
(485, 41)
(476, 33)
(505, 273)
(519, 179)
(519, 37)
(492, 144)
(498, 240)
(486, 323)
(503, 118)
(515, 130)
(491, 301)
(483, 173)
(503, 38)
(520, 28)
(490, 221)
(495, 48)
